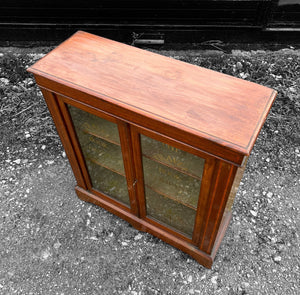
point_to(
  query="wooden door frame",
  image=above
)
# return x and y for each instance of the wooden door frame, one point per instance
(123, 129)
(214, 191)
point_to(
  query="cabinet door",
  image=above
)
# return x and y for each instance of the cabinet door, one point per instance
(171, 180)
(101, 151)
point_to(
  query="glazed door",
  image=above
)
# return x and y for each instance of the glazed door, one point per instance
(169, 176)
(102, 147)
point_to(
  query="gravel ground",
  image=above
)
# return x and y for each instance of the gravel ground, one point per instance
(53, 243)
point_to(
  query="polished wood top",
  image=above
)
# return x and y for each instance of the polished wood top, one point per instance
(223, 109)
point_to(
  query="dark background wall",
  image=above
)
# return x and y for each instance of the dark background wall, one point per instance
(167, 20)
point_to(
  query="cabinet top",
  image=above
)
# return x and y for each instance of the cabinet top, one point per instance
(222, 109)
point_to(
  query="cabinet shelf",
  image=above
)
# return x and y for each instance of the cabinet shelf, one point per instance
(168, 212)
(172, 183)
(104, 166)
(108, 182)
(173, 167)
(95, 125)
(102, 152)
(172, 157)
(171, 198)
(101, 137)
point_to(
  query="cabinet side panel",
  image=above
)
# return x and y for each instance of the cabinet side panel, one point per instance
(53, 107)
(235, 186)
(223, 178)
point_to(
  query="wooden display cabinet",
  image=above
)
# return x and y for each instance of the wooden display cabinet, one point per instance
(158, 142)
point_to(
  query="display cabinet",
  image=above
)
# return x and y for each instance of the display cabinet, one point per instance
(158, 142)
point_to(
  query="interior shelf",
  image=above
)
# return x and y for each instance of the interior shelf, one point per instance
(106, 181)
(102, 152)
(173, 167)
(172, 157)
(95, 125)
(170, 197)
(171, 213)
(180, 187)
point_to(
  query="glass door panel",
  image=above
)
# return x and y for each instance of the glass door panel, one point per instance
(171, 156)
(100, 145)
(108, 182)
(172, 213)
(169, 182)
(94, 125)
(102, 152)
(172, 179)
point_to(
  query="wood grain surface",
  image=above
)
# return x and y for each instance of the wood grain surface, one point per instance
(221, 108)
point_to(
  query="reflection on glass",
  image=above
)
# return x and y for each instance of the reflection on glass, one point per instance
(100, 145)
(172, 184)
